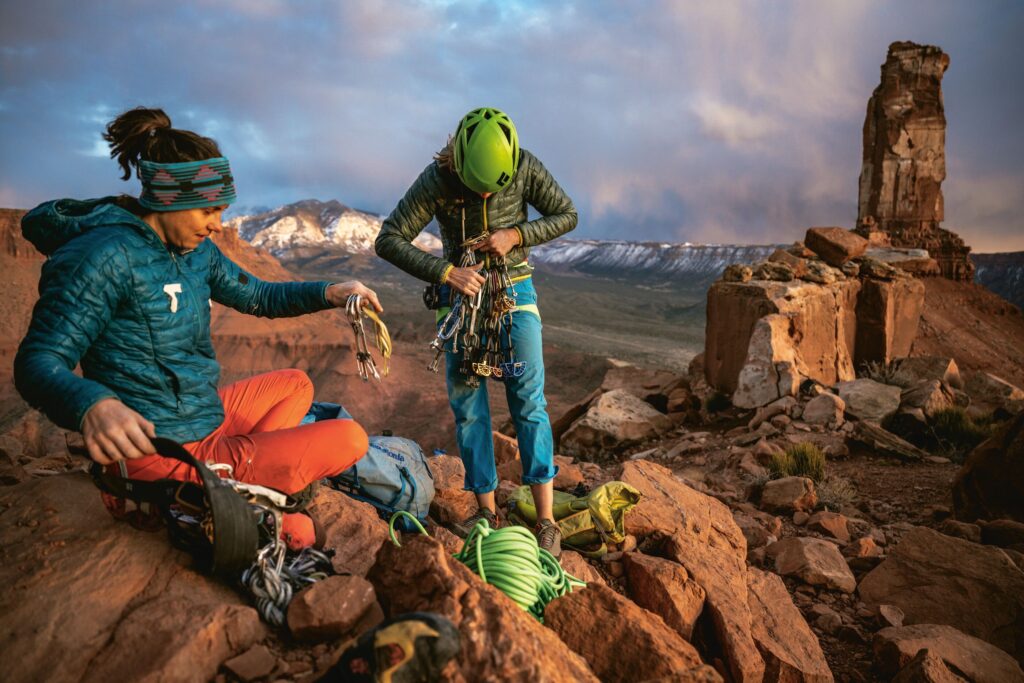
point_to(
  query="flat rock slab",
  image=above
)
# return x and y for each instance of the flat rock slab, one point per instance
(938, 579)
(705, 540)
(813, 561)
(619, 639)
(790, 649)
(789, 494)
(665, 588)
(330, 607)
(869, 400)
(66, 618)
(977, 660)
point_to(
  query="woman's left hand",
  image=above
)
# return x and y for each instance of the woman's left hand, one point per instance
(338, 294)
(500, 242)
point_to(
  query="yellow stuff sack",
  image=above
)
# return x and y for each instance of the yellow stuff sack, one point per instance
(588, 523)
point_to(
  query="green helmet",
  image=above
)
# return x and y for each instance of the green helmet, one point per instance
(486, 150)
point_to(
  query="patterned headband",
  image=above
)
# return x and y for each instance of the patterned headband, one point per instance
(186, 185)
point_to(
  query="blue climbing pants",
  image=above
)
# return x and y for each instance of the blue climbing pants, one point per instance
(526, 403)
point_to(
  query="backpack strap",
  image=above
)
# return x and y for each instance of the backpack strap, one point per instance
(232, 545)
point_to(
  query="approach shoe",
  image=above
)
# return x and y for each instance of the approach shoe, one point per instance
(462, 529)
(411, 648)
(549, 537)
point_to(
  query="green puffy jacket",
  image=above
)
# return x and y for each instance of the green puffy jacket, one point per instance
(438, 193)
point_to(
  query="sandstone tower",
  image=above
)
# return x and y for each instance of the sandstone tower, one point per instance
(904, 163)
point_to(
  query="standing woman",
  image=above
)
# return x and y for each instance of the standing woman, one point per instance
(479, 186)
(126, 292)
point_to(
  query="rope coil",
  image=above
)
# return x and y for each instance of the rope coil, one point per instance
(510, 560)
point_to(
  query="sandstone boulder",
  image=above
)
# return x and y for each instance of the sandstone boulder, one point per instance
(352, 528)
(797, 265)
(737, 272)
(1005, 533)
(773, 270)
(938, 579)
(705, 540)
(65, 619)
(831, 524)
(990, 485)
(575, 565)
(620, 640)
(910, 371)
(927, 668)
(813, 561)
(835, 246)
(331, 608)
(500, 640)
(991, 393)
(822, 273)
(822, 327)
(789, 494)
(914, 261)
(869, 400)
(887, 317)
(770, 371)
(451, 503)
(616, 420)
(665, 588)
(825, 409)
(979, 661)
(930, 396)
(790, 649)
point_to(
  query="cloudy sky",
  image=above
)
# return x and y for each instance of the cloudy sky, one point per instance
(680, 121)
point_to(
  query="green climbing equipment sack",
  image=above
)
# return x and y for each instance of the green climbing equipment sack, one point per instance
(588, 523)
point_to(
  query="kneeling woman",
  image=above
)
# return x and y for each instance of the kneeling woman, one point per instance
(126, 292)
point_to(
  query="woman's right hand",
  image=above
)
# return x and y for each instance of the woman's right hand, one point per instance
(114, 432)
(466, 280)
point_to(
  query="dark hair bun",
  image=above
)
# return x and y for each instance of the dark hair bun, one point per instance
(146, 134)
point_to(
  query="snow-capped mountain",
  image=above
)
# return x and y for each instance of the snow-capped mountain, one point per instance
(312, 223)
(296, 227)
(650, 259)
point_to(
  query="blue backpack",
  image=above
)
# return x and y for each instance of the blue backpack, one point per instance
(392, 476)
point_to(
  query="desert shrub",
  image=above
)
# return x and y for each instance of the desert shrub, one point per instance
(717, 402)
(836, 492)
(780, 465)
(880, 371)
(800, 460)
(955, 433)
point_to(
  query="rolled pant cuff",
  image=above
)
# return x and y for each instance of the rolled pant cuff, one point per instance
(486, 488)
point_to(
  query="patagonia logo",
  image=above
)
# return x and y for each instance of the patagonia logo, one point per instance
(172, 291)
(503, 178)
(390, 453)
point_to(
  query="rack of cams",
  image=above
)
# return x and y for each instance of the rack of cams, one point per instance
(355, 310)
(481, 325)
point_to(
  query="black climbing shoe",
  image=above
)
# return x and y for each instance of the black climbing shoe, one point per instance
(411, 648)
(462, 529)
(549, 537)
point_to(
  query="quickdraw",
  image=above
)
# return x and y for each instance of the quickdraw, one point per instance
(231, 528)
(482, 323)
(356, 311)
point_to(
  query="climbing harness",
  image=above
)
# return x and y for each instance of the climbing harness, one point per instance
(231, 528)
(510, 560)
(355, 311)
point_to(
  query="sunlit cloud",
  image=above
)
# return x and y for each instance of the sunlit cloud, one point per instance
(717, 121)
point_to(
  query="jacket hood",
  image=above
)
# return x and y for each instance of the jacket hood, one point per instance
(53, 224)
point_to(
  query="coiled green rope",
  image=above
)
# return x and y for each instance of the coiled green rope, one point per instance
(510, 560)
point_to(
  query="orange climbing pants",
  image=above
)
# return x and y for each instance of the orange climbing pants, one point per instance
(263, 442)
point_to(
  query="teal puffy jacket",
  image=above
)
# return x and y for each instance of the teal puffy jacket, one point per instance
(136, 315)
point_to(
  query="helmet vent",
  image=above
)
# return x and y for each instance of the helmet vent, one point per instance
(469, 130)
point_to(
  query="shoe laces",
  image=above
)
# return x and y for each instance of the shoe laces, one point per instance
(547, 533)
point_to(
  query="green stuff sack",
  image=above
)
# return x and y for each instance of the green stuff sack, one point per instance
(587, 523)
